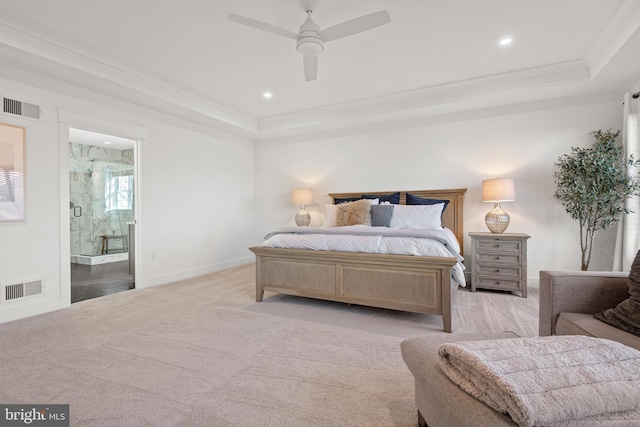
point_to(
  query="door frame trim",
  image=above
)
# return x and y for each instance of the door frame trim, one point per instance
(140, 135)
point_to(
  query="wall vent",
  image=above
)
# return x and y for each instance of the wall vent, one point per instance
(20, 108)
(22, 290)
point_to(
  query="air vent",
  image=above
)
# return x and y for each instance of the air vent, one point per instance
(20, 108)
(22, 290)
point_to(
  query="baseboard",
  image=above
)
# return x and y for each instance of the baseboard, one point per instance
(201, 271)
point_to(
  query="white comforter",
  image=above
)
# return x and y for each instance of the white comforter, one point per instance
(379, 240)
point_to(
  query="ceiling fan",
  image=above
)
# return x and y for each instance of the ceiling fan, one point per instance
(310, 39)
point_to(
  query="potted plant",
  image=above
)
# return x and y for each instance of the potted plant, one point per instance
(592, 185)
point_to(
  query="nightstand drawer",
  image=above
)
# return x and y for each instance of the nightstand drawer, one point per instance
(500, 284)
(498, 245)
(499, 272)
(495, 259)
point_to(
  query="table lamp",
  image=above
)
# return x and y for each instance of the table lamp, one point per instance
(301, 197)
(498, 190)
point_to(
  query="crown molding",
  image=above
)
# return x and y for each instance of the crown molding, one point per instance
(440, 117)
(120, 74)
(143, 88)
(437, 98)
(624, 24)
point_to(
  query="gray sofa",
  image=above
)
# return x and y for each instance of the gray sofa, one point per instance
(569, 299)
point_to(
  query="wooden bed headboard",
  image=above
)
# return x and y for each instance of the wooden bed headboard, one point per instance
(452, 216)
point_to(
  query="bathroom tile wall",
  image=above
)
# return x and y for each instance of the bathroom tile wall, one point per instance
(89, 167)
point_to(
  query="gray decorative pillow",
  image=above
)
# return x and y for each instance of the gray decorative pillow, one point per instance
(381, 215)
(353, 213)
(626, 315)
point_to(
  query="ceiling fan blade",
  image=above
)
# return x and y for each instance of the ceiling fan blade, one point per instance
(263, 26)
(355, 26)
(310, 68)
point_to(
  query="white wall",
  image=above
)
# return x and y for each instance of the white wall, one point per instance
(196, 200)
(522, 142)
(201, 212)
(198, 212)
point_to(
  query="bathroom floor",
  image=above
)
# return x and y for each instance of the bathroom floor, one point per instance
(92, 281)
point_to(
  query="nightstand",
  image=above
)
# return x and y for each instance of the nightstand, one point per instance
(499, 261)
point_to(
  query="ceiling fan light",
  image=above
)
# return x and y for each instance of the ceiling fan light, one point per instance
(309, 45)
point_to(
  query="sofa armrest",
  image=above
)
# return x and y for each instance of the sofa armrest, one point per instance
(578, 292)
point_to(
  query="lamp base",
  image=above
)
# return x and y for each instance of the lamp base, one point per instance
(303, 218)
(496, 219)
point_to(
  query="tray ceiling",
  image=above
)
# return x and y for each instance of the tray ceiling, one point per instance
(434, 57)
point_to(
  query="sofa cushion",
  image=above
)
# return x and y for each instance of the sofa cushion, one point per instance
(626, 315)
(586, 324)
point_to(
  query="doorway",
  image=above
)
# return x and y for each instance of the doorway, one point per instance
(73, 120)
(101, 213)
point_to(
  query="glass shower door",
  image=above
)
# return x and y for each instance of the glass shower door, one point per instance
(102, 203)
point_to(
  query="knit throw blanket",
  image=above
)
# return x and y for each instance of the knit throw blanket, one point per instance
(548, 380)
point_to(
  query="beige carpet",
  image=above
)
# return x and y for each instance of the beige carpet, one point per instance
(203, 353)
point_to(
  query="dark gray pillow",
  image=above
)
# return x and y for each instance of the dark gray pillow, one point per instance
(345, 200)
(381, 215)
(391, 198)
(415, 200)
(626, 315)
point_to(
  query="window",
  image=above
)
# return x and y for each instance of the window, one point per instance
(118, 191)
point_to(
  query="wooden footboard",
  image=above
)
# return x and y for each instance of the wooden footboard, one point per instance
(400, 282)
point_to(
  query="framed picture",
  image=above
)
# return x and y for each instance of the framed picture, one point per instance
(12, 172)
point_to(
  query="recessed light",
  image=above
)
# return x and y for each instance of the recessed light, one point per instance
(505, 41)
(107, 142)
(267, 95)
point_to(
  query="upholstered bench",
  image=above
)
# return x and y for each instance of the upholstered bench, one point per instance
(440, 402)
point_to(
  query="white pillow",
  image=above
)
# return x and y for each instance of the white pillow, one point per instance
(417, 216)
(330, 213)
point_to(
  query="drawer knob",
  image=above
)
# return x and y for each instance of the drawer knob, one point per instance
(497, 283)
(497, 257)
(497, 270)
(498, 245)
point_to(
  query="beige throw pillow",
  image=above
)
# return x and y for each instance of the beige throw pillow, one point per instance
(353, 213)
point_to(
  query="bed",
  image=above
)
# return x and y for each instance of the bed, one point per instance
(419, 284)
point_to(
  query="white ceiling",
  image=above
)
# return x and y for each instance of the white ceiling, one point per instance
(435, 57)
(111, 142)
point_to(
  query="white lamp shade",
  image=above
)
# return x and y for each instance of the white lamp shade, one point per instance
(302, 196)
(498, 190)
